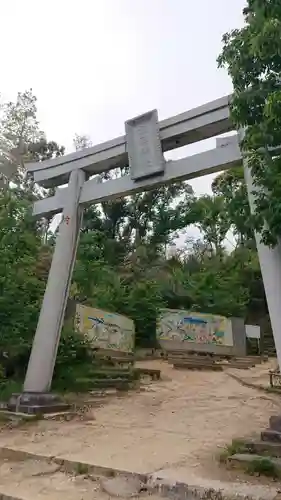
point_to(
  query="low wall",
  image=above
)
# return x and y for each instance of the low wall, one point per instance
(104, 329)
(188, 330)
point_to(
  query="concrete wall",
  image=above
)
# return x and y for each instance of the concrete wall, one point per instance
(188, 330)
(105, 330)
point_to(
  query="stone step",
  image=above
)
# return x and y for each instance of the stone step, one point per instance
(200, 356)
(115, 359)
(194, 366)
(153, 373)
(104, 383)
(237, 366)
(247, 359)
(268, 466)
(104, 374)
(275, 423)
(266, 448)
(271, 436)
(190, 359)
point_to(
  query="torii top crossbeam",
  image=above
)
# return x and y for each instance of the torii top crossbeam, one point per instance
(197, 124)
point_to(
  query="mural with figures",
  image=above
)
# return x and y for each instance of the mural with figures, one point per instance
(104, 329)
(200, 328)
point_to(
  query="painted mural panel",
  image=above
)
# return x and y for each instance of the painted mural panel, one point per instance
(106, 330)
(189, 326)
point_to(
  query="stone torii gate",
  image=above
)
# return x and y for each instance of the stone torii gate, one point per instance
(142, 148)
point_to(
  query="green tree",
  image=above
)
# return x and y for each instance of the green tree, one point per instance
(24, 259)
(231, 187)
(252, 57)
(210, 216)
(21, 286)
(18, 128)
(21, 140)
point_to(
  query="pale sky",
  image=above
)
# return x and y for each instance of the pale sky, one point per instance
(95, 63)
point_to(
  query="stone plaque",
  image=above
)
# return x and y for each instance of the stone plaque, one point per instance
(144, 146)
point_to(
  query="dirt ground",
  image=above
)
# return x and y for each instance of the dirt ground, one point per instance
(42, 481)
(177, 426)
(258, 375)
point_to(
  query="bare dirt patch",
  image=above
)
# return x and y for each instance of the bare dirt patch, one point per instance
(40, 480)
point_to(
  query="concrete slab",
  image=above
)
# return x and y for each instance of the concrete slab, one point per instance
(171, 483)
(271, 436)
(275, 423)
(125, 487)
(264, 448)
(36, 404)
(186, 485)
(6, 415)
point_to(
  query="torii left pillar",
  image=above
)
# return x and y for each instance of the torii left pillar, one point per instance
(36, 397)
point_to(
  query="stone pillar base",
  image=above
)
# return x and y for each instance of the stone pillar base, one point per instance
(273, 433)
(36, 403)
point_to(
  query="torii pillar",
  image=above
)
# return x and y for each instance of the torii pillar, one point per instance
(36, 397)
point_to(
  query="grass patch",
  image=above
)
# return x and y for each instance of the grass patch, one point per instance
(82, 469)
(263, 467)
(236, 446)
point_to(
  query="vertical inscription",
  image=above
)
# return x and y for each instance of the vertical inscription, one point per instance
(144, 146)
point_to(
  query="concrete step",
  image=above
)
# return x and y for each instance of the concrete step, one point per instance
(265, 448)
(40, 410)
(104, 383)
(33, 479)
(237, 366)
(271, 436)
(114, 374)
(154, 374)
(275, 423)
(192, 359)
(265, 466)
(248, 359)
(178, 365)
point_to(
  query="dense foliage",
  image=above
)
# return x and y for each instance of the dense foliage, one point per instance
(124, 260)
(252, 56)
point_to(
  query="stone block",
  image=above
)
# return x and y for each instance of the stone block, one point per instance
(271, 436)
(36, 403)
(275, 423)
(265, 448)
(120, 486)
(6, 415)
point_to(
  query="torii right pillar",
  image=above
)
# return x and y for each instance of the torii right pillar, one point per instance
(270, 264)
